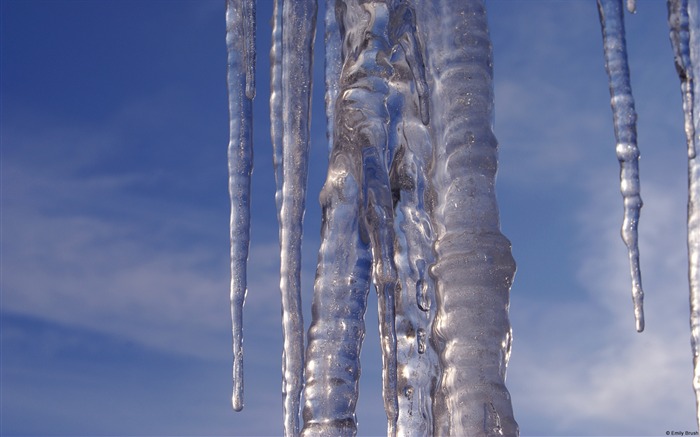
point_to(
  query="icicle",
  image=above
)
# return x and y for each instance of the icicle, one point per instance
(358, 207)
(411, 148)
(276, 117)
(684, 24)
(249, 42)
(339, 304)
(474, 267)
(291, 103)
(240, 166)
(678, 21)
(694, 203)
(624, 117)
(632, 6)
(332, 67)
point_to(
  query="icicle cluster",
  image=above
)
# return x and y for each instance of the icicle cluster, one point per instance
(409, 195)
(409, 204)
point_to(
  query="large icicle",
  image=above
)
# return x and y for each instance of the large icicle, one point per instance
(474, 267)
(411, 150)
(240, 166)
(293, 106)
(357, 221)
(684, 24)
(625, 119)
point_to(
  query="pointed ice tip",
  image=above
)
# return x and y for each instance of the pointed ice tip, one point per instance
(632, 7)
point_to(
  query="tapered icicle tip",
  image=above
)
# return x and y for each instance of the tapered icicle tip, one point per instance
(632, 6)
(237, 398)
(639, 319)
(236, 402)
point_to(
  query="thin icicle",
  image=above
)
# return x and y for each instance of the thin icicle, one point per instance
(684, 25)
(632, 6)
(240, 166)
(249, 42)
(694, 203)
(276, 118)
(625, 118)
(332, 67)
(297, 43)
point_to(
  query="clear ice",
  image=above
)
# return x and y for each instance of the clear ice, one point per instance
(684, 26)
(409, 205)
(240, 167)
(294, 31)
(625, 123)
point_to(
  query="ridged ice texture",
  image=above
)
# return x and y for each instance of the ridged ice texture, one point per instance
(474, 267)
(240, 166)
(624, 119)
(291, 111)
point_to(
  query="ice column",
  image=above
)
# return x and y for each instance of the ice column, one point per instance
(625, 119)
(474, 267)
(240, 37)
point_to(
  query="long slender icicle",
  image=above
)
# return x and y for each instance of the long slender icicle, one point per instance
(684, 26)
(694, 203)
(474, 267)
(297, 44)
(240, 166)
(625, 118)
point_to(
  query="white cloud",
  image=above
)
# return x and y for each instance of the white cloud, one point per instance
(579, 366)
(103, 250)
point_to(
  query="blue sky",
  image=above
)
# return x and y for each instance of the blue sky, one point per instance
(115, 317)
